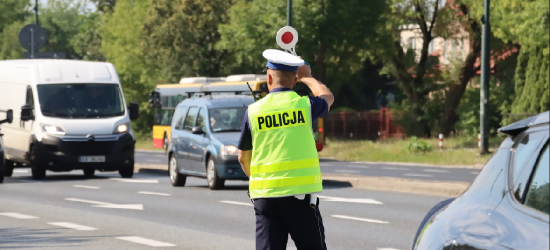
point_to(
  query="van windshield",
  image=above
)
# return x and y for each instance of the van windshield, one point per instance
(226, 119)
(80, 100)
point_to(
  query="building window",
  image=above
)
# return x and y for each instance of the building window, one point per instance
(412, 42)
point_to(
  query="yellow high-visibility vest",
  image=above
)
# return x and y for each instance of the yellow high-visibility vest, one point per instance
(284, 157)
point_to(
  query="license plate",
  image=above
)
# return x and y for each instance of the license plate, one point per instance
(91, 159)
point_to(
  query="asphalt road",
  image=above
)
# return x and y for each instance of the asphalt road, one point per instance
(358, 168)
(68, 211)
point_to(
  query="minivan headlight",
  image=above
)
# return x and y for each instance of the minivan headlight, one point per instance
(122, 128)
(229, 150)
(52, 130)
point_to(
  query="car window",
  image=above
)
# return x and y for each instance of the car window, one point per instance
(201, 119)
(539, 192)
(226, 119)
(190, 118)
(178, 117)
(524, 150)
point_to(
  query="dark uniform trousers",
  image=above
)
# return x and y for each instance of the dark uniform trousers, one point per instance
(276, 218)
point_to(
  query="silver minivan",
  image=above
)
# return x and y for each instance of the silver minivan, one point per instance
(204, 138)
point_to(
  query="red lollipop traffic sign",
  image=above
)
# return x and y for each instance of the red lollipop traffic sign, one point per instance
(287, 37)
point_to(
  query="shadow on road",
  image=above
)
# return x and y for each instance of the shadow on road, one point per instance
(331, 184)
(12, 238)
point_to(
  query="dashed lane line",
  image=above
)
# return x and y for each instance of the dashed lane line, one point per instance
(346, 171)
(435, 171)
(394, 168)
(238, 203)
(134, 180)
(359, 219)
(144, 241)
(72, 226)
(88, 187)
(153, 160)
(19, 216)
(350, 200)
(153, 193)
(419, 175)
(20, 171)
(102, 204)
(474, 173)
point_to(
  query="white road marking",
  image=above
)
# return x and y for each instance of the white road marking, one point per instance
(351, 200)
(418, 175)
(109, 205)
(476, 173)
(346, 171)
(326, 164)
(154, 193)
(88, 187)
(435, 171)
(144, 241)
(72, 226)
(20, 171)
(237, 203)
(19, 216)
(134, 180)
(394, 168)
(359, 219)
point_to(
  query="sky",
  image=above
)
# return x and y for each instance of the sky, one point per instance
(91, 6)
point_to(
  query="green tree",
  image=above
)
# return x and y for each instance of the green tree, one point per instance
(180, 37)
(12, 16)
(121, 34)
(335, 37)
(87, 42)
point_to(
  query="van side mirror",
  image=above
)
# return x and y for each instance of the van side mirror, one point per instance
(9, 117)
(134, 111)
(197, 131)
(26, 112)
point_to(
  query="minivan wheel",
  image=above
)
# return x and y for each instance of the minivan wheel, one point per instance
(214, 182)
(37, 171)
(89, 172)
(8, 167)
(177, 179)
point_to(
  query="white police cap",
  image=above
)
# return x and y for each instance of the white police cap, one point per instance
(280, 60)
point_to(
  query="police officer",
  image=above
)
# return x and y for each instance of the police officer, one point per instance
(277, 151)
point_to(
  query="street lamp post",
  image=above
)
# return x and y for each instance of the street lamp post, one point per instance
(485, 75)
(36, 12)
(288, 12)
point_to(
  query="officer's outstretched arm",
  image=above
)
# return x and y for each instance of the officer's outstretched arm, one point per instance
(245, 157)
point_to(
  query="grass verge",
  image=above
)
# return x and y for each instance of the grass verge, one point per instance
(145, 142)
(456, 151)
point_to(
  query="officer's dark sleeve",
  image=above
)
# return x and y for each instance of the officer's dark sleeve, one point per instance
(319, 107)
(245, 142)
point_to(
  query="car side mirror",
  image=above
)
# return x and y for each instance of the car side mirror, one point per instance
(197, 131)
(26, 112)
(9, 117)
(134, 111)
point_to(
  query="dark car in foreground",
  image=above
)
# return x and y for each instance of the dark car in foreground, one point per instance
(507, 205)
(204, 138)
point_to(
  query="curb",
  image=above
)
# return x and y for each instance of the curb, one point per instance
(437, 188)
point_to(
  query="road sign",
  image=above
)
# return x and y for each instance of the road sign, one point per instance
(32, 37)
(287, 37)
(45, 55)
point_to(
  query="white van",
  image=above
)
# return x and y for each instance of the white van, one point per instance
(66, 115)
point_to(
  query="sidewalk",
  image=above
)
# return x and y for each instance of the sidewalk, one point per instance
(438, 188)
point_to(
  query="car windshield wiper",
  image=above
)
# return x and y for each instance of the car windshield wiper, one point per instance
(47, 112)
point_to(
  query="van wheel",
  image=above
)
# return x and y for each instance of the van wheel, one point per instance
(38, 172)
(127, 172)
(89, 172)
(177, 179)
(214, 182)
(8, 167)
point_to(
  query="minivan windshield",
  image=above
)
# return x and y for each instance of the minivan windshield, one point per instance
(80, 100)
(226, 119)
